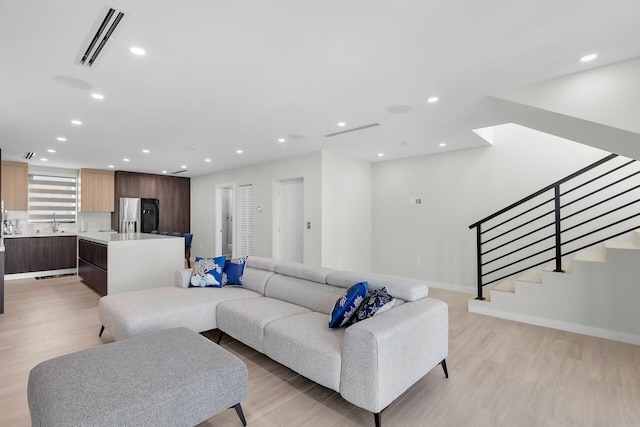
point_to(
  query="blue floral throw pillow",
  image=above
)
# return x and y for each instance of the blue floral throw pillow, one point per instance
(376, 301)
(233, 270)
(207, 272)
(347, 305)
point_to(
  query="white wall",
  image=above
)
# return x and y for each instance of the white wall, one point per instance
(261, 176)
(346, 212)
(457, 189)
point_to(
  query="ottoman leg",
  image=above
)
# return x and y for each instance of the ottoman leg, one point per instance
(238, 409)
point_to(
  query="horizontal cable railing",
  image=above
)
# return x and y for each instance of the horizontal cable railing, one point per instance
(588, 207)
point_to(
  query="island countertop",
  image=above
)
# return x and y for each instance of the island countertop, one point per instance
(107, 237)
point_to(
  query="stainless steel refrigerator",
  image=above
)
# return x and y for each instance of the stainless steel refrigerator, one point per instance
(138, 215)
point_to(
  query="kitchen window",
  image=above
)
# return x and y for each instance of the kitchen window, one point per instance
(52, 198)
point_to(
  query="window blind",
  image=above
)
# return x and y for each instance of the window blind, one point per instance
(49, 195)
(245, 221)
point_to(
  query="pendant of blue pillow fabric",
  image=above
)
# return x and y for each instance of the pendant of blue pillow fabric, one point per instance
(207, 272)
(375, 302)
(347, 305)
(233, 271)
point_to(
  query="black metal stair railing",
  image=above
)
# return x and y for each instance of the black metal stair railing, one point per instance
(588, 207)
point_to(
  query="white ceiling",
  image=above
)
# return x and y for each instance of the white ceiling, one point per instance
(228, 75)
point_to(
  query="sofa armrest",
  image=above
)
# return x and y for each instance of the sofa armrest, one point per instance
(182, 278)
(385, 355)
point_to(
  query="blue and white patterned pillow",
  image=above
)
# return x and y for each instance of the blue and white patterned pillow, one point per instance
(376, 302)
(233, 271)
(207, 272)
(347, 305)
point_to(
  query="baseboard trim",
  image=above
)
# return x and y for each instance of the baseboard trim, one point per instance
(450, 287)
(34, 274)
(482, 307)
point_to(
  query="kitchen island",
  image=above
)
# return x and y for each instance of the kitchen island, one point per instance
(112, 263)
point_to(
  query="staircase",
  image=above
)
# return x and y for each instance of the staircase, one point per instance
(598, 293)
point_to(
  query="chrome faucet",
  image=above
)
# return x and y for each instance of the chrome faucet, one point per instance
(55, 223)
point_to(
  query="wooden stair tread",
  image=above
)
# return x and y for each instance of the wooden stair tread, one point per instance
(589, 256)
(566, 266)
(507, 285)
(621, 245)
(533, 276)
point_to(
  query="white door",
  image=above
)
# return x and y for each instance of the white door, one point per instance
(289, 220)
(225, 217)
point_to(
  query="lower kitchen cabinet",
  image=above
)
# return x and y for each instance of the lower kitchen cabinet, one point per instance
(92, 265)
(31, 254)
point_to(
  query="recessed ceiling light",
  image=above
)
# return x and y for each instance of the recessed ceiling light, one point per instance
(432, 99)
(61, 138)
(125, 160)
(207, 160)
(281, 140)
(97, 96)
(442, 144)
(342, 124)
(164, 171)
(137, 50)
(183, 166)
(589, 57)
(380, 154)
(145, 151)
(111, 166)
(44, 160)
(399, 109)
(76, 122)
(239, 151)
(51, 150)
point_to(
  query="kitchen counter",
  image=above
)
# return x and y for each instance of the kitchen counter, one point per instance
(107, 237)
(112, 263)
(47, 234)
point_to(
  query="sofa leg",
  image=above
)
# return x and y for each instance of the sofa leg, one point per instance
(444, 366)
(238, 409)
(376, 417)
(101, 331)
(220, 337)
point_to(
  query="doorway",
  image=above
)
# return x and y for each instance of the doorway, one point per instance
(225, 219)
(288, 227)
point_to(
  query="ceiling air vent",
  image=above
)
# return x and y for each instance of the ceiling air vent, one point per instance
(101, 31)
(180, 171)
(353, 130)
(28, 155)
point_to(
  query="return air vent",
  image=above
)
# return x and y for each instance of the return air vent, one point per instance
(102, 30)
(29, 154)
(180, 171)
(353, 130)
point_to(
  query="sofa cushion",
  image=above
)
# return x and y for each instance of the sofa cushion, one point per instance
(303, 271)
(347, 305)
(399, 287)
(207, 272)
(233, 270)
(132, 313)
(261, 263)
(312, 295)
(375, 302)
(305, 344)
(246, 321)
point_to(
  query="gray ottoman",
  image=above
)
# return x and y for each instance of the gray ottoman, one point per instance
(170, 378)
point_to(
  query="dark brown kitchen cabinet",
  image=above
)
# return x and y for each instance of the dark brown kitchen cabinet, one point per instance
(16, 253)
(31, 254)
(173, 193)
(92, 265)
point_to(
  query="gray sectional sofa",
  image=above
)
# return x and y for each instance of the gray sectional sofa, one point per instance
(282, 310)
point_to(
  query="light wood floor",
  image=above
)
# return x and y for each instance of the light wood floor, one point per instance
(502, 373)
